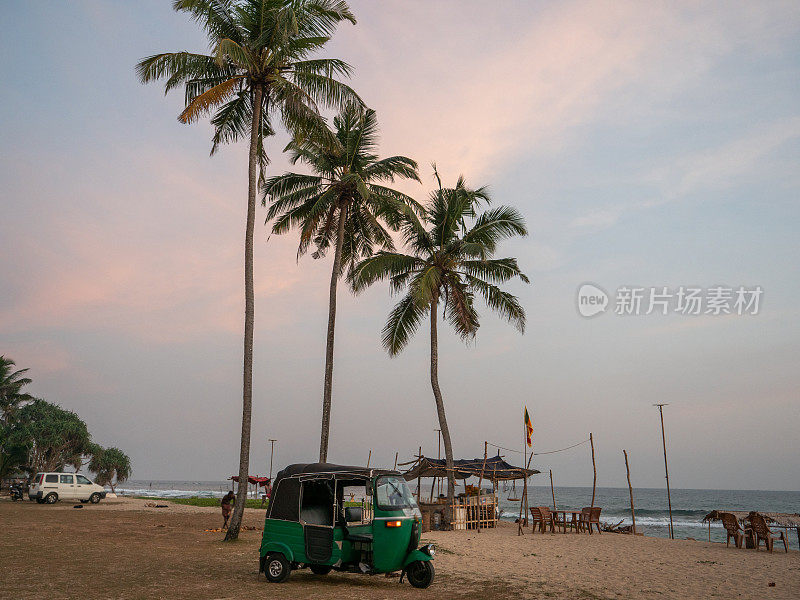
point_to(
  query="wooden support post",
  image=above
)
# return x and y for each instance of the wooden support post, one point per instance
(521, 509)
(480, 484)
(396, 454)
(553, 489)
(369, 458)
(666, 469)
(630, 491)
(525, 492)
(419, 461)
(594, 469)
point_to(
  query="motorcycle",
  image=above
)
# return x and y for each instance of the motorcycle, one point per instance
(16, 492)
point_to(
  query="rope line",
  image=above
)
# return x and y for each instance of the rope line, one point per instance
(539, 453)
(562, 449)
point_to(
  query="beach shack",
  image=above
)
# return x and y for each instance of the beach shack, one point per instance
(475, 508)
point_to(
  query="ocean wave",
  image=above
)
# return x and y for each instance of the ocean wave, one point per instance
(645, 521)
(176, 493)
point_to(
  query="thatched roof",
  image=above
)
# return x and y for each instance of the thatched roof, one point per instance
(495, 469)
(782, 519)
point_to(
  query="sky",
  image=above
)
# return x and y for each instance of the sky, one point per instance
(648, 145)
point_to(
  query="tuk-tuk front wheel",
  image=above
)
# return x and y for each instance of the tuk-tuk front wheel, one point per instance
(321, 569)
(277, 568)
(420, 573)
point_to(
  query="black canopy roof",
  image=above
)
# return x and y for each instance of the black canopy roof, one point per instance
(324, 468)
(496, 469)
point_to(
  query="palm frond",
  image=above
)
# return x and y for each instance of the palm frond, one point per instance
(217, 95)
(381, 266)
(497, 270)
(402, 323)
(505, 304)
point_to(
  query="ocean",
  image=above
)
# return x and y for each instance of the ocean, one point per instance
(652, 516)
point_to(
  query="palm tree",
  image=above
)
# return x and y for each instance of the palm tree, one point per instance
(11, 384)
(258, 70)
(341, 204)
(447, 264)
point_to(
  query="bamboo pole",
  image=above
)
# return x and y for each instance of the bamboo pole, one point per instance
(666, 470)
(369, 458)
(552, 490)
(630, 491)
(525, 492)
(396, 454)
(419, 478)
(480, 483)
(594, 469)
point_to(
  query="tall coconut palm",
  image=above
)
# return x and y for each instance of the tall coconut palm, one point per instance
(447, 264)
(342, 204)
(258, 71)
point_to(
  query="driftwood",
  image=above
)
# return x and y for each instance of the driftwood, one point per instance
(614, 528)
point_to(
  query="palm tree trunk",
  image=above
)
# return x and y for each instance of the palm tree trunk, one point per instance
(437, 395)
(328, 385)
(249, 317)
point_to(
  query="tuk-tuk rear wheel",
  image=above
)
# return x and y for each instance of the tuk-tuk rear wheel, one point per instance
(420, 573)
(277, 568)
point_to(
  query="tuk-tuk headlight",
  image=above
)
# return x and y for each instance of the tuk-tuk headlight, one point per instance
(429, 549)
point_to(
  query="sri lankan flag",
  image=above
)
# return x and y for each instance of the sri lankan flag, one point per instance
(528, 428)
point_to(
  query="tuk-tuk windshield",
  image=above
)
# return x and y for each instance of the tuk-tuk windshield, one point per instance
(393, 493)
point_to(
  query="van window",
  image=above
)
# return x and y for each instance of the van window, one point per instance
(83, 480)
(66, 479)
(51, 478)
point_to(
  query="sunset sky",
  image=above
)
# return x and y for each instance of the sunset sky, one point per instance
(647, 144)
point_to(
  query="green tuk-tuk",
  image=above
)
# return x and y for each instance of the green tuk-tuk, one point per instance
(351, 519)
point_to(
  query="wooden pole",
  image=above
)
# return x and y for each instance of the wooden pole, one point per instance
(630, 491)
(419, 461)
(552, 489)
(437, 480)
(271, 453)
(369, 458)
(525, 492)
(396, 454)
(666, 470)
(594, 469)
(480, 483)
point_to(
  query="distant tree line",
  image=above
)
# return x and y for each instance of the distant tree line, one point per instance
(37, 436)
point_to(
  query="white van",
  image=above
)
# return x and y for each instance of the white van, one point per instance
(52, 487)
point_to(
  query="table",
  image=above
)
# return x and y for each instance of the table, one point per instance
(576, 515)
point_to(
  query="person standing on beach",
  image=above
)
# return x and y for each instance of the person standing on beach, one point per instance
(227, 501)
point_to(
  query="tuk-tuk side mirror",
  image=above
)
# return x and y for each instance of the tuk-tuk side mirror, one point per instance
(353, 514)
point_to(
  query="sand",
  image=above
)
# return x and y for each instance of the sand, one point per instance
(125, 549)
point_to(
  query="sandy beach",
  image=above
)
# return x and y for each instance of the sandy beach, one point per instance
(125, 549)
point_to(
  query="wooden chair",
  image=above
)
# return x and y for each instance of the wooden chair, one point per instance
(735, 531)
(547, 519)
(590, 516)
(583, 521)
(762, 532)
(536, 518)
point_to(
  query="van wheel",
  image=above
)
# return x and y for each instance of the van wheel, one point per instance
(277, 568)
(94, 498)
(420, 573)
(321, 569)
(51, 498)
